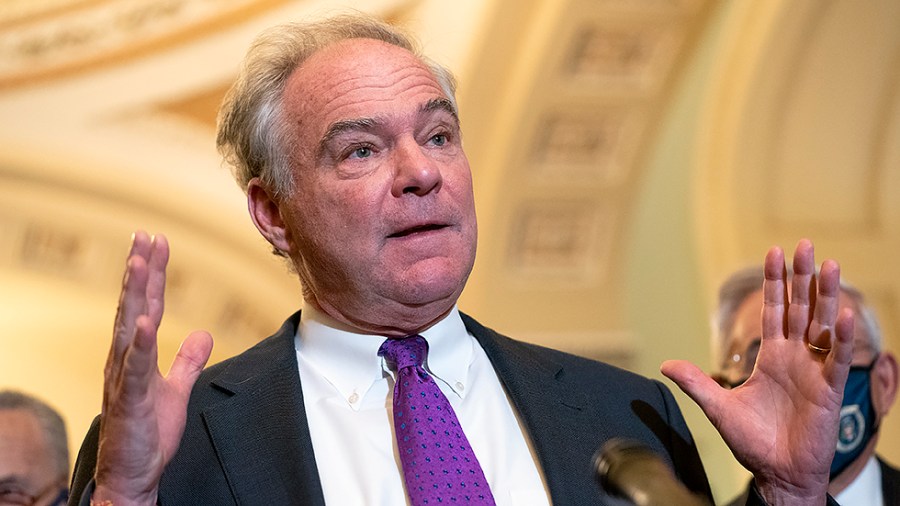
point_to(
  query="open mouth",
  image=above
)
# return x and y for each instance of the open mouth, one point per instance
(417, 230)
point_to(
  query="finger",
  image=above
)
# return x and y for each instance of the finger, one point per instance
(130, 305)
(190, 360)
(774, 295)
(141, 362)
(822, 327)
(697, 385)
(140, 244)
(842, 349)
(156, 283)
(803, 286)
(131, 297)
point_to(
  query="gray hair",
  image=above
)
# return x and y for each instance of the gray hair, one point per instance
(253, 134)
(748, 280)
(50, 421)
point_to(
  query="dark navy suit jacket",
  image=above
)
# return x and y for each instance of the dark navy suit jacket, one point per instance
(890, 483)
(247, 439)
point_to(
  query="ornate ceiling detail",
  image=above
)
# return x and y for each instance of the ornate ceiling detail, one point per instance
(561, 242)
(61, 37)
(632, 57)
(87, 250)
(594, 99)
(596, 146)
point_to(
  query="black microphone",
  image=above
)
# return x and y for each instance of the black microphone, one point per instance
(630, 470)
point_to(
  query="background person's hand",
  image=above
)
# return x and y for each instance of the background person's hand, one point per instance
(143, 413)
(782, 423)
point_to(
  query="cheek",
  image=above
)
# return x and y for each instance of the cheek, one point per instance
(345, 219)
(358, 208)
(459, 181)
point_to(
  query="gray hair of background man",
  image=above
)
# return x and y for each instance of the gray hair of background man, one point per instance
(744, 282)
(253, 134)
(52, 424)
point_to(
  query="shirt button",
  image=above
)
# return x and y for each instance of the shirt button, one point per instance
(460, 386)
(354, 398)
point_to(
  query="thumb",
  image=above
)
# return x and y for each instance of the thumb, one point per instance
(695, 383)
(190, 359)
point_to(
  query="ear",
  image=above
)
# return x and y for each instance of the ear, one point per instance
(267, 216)
(884, 384)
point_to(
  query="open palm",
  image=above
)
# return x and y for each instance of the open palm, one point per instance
(143, 414)
(781, 424)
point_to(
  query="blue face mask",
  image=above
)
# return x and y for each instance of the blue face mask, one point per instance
(857, 423)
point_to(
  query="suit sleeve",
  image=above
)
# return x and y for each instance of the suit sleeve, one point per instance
(682, 450)
(755, 499)
(83, 477)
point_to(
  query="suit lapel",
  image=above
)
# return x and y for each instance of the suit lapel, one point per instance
(260, 433)
(554, 412)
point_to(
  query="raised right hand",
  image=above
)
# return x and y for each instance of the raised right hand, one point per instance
(144, 413)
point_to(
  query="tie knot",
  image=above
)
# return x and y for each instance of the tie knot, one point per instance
(405, 352)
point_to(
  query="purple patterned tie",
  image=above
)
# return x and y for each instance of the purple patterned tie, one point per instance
(439, 466)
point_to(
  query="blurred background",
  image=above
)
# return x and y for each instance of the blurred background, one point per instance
(627, 156)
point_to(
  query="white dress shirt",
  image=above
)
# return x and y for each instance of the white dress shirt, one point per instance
(865, 490)
(347, 391)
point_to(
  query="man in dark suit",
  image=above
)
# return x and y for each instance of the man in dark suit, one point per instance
(857, 476)
(348, 145)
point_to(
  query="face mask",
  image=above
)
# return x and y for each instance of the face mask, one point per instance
(62, 499)
(857, 423)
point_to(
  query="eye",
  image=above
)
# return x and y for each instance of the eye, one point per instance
(361, 152)
(439, 139)
(15, 497)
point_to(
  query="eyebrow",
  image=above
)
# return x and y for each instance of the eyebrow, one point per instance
(10, 482)
(339, 127)
(440, 104)
(361, 124)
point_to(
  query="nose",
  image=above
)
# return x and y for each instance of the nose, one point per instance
(414, 171)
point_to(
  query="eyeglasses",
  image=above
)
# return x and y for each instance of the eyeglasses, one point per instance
(12, 494)
(738, 366)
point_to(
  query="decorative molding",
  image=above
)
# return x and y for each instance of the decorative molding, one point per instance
(74, 39)
(569, 241)
(630, 56)
(586, 146)
(86, 248)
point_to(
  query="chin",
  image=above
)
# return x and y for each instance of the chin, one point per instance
(430, 289)
(431, 294)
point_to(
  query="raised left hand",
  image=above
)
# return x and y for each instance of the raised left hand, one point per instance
(782, 423)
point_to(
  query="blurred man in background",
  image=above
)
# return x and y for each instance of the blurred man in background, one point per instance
(858, 475)
(34, 452)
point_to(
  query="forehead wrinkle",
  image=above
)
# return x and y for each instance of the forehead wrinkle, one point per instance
(357, 81)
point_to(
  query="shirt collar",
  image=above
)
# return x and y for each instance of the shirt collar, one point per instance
(866, 488)
(349, 359)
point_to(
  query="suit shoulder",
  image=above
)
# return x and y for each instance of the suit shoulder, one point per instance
(561, 363)
(888, 471)
(276, 350)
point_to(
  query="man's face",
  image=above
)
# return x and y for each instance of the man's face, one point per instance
(27, 470)
(746, 334)
(381, 222)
